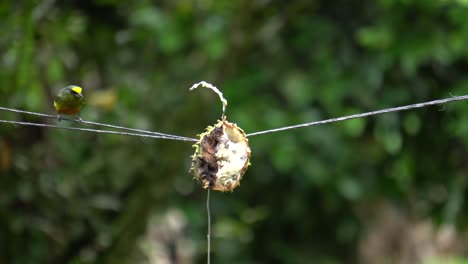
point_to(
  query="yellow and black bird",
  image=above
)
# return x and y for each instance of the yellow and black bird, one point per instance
(68, 101)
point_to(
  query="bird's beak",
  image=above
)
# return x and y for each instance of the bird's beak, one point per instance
(78, 95)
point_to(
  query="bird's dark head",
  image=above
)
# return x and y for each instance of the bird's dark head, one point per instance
(75, 90)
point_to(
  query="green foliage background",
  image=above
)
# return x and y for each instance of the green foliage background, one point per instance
(70, 197)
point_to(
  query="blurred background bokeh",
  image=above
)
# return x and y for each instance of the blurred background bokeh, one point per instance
(384, 189)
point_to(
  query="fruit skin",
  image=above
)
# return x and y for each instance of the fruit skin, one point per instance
(69, 100)
(221, 156)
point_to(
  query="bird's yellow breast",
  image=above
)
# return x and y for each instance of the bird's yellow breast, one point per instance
(67, 110)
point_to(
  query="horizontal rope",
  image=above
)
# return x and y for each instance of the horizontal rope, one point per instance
(93, 130)
(378, 112)
(151, 134)
(163, 135)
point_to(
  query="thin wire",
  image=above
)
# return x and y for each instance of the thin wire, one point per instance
(378, 112)
(208, 236)
(93, 130)
(102, 125)
(151, 134)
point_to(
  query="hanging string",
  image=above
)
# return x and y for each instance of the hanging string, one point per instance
(378, 112)
(208, 236)
(140, 131)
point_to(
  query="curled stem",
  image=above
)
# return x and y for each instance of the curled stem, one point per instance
(216, 90)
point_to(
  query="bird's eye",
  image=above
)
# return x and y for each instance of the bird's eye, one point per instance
(74, 92)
